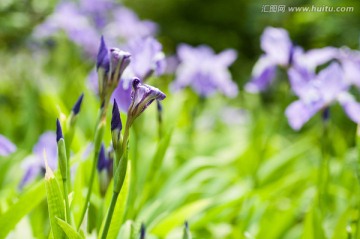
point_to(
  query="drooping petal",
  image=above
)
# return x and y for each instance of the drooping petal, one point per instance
(262, 75)
(350, 106)
(298, 113)
(6, 146)
(47, 143)
(31, 171)
(300, 80)
(122, 94)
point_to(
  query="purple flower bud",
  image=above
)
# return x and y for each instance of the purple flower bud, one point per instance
(186, 232)
(103, 56)
(119, 60)
(77, 106)
(6, 147)
(142, 96)
(102, 161)
(59, 133)
(116, 120)
(105, 159)
(142, 231)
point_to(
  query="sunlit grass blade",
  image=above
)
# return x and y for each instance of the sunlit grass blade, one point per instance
(27, 202)
(177, 217)
(118, 216)
(70, 232)
(55, 203)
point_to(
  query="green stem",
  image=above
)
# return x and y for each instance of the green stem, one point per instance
(97, 144)
(109, 214)
(66, 196)
(323, 176)
(357, 175)
(120, 174)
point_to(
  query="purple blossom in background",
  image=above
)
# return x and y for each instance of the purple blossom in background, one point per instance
(126, 25)
(147, 57)
(316, 92)
(6, 146)
(280, 52)
(86, 21)
(205, 71)
(69, 18)
(276, 44)
(350, 62)
(34, 164)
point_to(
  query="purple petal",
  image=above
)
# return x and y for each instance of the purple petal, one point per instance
(47, 143)
(122, 95)
(227, 57)
(32, 171)
(351, 107)
(204, 71)
(314, 58)
(263, 74)
(299, 80)
(127, 25)
(6, 146)
(298, 113)
(330, 82)
(277, 45)
(147, 57)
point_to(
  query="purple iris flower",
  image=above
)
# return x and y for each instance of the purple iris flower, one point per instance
(147, 59)
(34, 164)
(6, 146)
(317, 92)
(205, 71)
(85, 21)
(126, 25)
(280, 52)
(276, 44)
(69, 18)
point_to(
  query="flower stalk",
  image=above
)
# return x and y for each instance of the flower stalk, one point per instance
(64, 167)
(142, 96)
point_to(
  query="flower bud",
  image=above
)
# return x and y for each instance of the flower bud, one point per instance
(77, 106)
(119, 60)
(142, 96)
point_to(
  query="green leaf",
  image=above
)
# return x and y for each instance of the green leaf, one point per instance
(313, 228)
(27, 202)
(120, 207)
(179, 216)
(55, 203)
(70, 232)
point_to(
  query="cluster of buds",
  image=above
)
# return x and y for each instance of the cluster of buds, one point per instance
(110, 66)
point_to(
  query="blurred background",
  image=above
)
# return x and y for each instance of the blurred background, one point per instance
(235, 24)
(267, 171)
